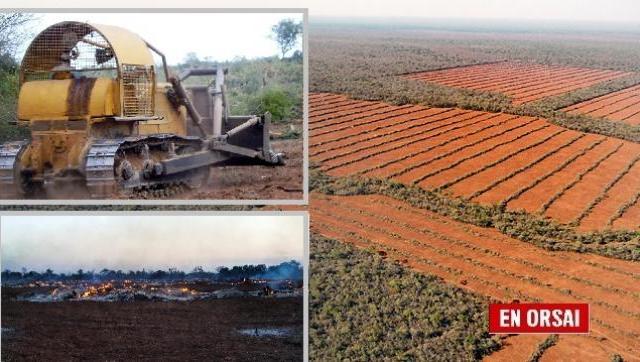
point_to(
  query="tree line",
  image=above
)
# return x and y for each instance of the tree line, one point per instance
(291, 270)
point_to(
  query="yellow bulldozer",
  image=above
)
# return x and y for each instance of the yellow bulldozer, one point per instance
(102, 124)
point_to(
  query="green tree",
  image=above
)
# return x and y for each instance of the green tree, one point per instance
(273, 100)
(14, 31)
(286, 34)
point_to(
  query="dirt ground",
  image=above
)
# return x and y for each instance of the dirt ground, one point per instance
(178, 331)
(238, 181)
(527, 163)
(258, 182)
(505, 269)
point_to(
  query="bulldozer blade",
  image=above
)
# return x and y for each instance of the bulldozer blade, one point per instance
(253, 133)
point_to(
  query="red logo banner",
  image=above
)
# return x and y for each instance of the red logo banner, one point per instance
(561, 318)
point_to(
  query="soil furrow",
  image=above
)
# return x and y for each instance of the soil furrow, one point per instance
(409, 161)
(395, 144)
(482, 269)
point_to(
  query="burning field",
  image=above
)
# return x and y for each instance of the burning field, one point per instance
(153, 287)
(178, 320)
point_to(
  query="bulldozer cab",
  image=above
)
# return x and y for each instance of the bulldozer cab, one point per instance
(100, 70)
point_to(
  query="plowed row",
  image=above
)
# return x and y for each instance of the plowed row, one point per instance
(522, 162)
(623, 105)
(487, 262)
(522, 82)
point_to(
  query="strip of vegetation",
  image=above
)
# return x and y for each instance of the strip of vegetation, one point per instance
(365, 308)
(542, 347)
(584, 94)
(527, 227)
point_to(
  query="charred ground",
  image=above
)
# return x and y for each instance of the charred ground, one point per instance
(198, 330)
(244, 312)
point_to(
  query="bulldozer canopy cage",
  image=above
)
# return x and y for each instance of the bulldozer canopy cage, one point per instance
(81, 50)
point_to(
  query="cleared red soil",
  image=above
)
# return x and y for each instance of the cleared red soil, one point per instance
(490, 263)
(522, 162)
(522, 82)
(623, 105)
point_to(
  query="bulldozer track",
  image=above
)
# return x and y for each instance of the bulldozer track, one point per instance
(99, 165)
(101, 161)
(9, 153)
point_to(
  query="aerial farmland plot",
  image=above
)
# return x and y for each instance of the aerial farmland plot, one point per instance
(525, 163)
(521, 81)
(486, 262)
(623, 106)
(483, 160)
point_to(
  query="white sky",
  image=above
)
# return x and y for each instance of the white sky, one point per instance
(580, 10)
(67, 243)
(221, 36)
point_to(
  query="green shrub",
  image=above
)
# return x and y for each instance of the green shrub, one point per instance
(8, 99)
(273, 100)
(363, 307)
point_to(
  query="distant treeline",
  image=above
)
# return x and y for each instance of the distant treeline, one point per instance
(257, 85)
(287, 270)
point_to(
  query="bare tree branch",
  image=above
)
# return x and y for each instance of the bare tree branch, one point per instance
(14, 31)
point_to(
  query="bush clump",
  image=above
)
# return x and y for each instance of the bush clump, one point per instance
(273, 100)
(363, 307)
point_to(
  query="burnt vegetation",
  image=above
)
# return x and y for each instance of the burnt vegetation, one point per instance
(244, 312)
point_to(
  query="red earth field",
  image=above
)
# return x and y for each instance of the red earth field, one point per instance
(490, 263)
(623, 105)
(525, 163)
(521, 81)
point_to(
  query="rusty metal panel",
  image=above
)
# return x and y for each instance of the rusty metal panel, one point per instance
(79, 125)
(41, 126)
(202, 101)
(79, 95)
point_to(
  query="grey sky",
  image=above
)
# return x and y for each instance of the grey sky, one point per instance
(589, 10)
(221, 36)
(67, 243)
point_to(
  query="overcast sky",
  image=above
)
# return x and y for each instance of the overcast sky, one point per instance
(589, 10)
(221, 36)
(67, 243)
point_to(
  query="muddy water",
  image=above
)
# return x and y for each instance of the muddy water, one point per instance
(266, 332)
